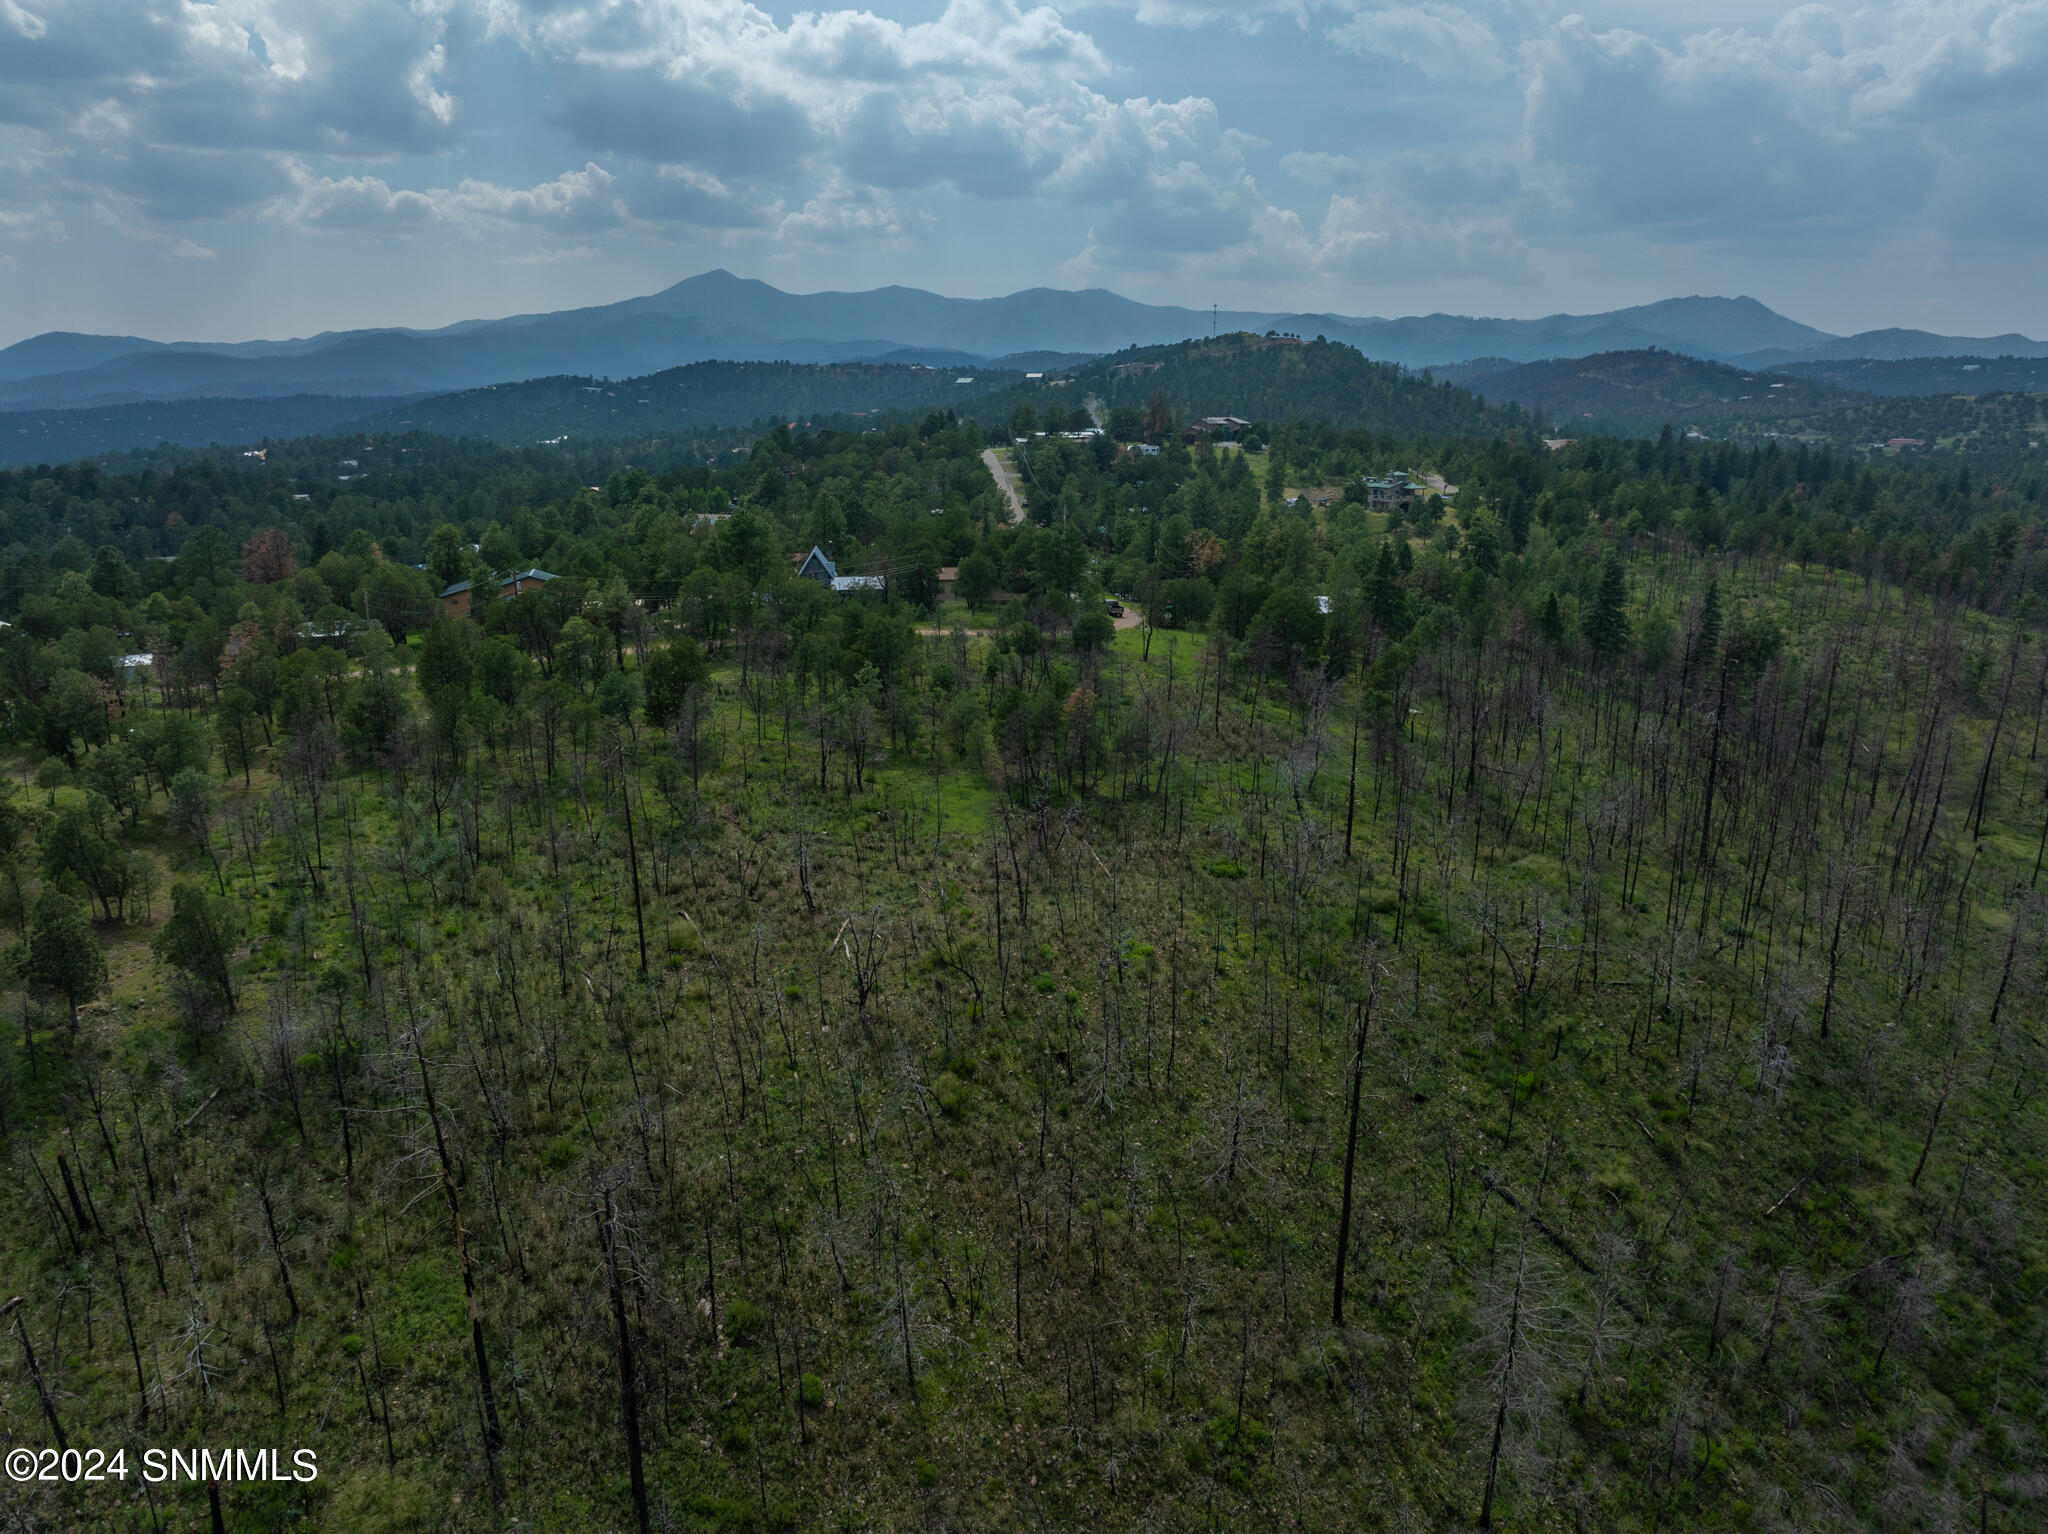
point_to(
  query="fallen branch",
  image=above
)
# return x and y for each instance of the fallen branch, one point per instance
(210, 1096)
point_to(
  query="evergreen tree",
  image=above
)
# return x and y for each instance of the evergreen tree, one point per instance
(669, 674)
(1606, 623)
(1515, 512)
(1482, 542)
(447, 662)
(1386, 596)
(200, 939)
(447, 559)
(1551, 620)
(235, 722)
(63, 954)
(976, 578)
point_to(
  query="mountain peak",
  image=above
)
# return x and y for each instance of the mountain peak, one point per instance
(718, 277)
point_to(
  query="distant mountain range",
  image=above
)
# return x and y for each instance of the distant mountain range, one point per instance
(717, 316)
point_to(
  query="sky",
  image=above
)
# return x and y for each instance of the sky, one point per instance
(269, 168)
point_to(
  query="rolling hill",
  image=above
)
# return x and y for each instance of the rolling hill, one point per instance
(1638, 393)
(60, 436)
(1893, 345)
(1262, 378)
(699, 395)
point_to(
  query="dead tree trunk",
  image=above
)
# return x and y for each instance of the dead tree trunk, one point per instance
(1351, 1145)
(629, 1395)
(494, 1436)
(35, 1373)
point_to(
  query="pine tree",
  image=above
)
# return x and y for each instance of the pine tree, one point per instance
(1385, 595)
(63, 954)
(200, 939)
(1606, 623)
(1515, 514)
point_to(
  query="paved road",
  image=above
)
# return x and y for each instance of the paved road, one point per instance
(1007, 479)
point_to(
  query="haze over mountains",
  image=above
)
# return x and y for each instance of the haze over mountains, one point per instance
(717, 316)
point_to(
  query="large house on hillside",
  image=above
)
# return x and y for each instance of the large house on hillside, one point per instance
(1225, 427)
(1387, 490)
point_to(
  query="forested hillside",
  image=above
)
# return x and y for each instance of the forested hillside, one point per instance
(654, 415)
(1928, 375)
(1521, 1010)
(704, 394)
(55, 436)
(1637, 392)
(1257, 378)
(1994, 417)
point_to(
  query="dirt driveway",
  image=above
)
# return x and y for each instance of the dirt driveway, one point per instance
(1006, 478)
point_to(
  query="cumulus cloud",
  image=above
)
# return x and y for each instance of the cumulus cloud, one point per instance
(1378, 239)
(1723, 130)
(1832, 123)
(580, 200)
(337, 76)
(154, 116)
(850, 115)
(718, 86)
(1414, 216)
(691, 114)
(677, 195)
(1248, 17)
(585, 202)
(187, 250)
(846, 128)
(846, 216)
(1443, 42)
